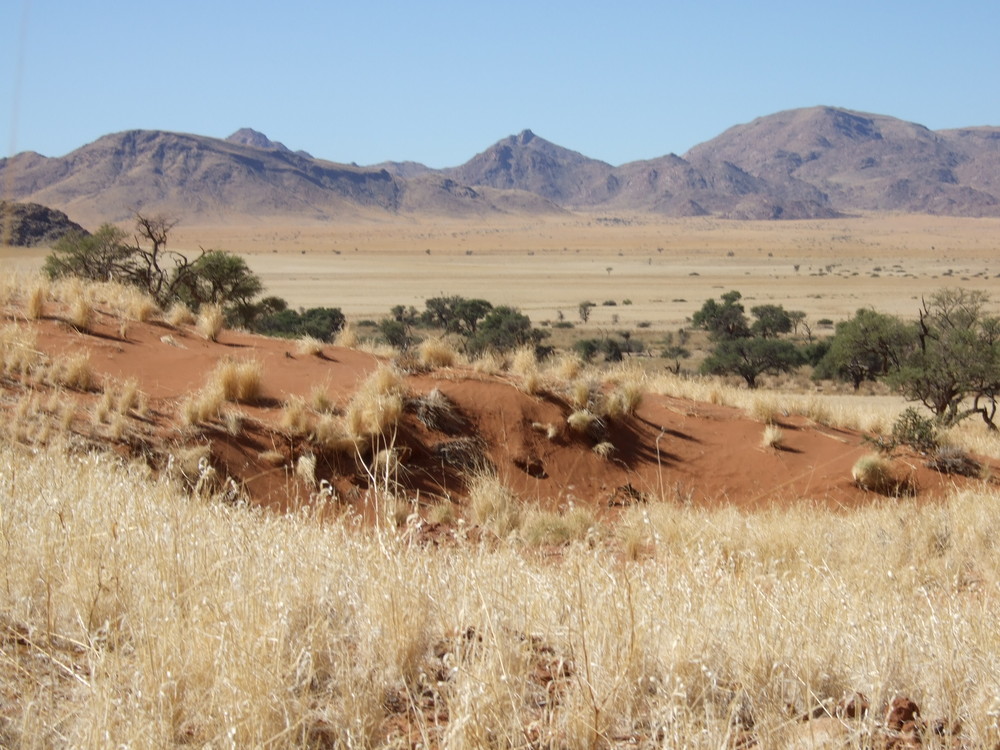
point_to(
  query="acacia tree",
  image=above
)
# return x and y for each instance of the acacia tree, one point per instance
(868, 346)
(956, 359)
(144, 261)
(745, 349)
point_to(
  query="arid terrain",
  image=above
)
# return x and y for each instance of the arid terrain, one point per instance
(221, 539)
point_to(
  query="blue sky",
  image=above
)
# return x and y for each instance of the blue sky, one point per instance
(438, 81)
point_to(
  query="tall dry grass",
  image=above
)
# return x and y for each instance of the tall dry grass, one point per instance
(132, 615)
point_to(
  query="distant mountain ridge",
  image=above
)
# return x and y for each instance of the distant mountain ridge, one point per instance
(805, 163)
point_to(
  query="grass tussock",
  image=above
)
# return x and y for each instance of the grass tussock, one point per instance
(377, 405)
(34, 305)
(876, 473)
(437, 352)
(179, 315)
(773, 437)
(238, 380)
(211, 321)
(74, 372)
(493, 505)
(347, 337)
(135, 615)
(309, 346)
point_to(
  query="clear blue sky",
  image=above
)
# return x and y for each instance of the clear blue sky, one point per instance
(437, 81)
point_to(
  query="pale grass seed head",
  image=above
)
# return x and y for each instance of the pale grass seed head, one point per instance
(211, 321)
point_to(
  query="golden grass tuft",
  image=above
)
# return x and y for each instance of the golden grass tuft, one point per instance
(773, 437)
(319, 399)
(436, 352)
(81, 312)
(309, 346)
(377, 405)
(545, 527)
(238, 380)
(211, 321)
(346, 337)
(604, 449)
(202, 406)
(493, 505)
(875, 473)
(179, 315)
(581, 420)
(296, 417)
(34, 306)
(74, 371)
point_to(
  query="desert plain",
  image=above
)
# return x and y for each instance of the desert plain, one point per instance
(676, 581)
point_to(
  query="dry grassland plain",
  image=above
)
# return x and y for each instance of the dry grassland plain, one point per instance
(665, 267)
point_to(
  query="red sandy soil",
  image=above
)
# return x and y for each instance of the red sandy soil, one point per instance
(672, 448)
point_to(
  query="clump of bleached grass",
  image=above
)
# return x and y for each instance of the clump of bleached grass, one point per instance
(211, 321)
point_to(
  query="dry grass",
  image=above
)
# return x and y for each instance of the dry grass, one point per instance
(211, 321)
(73, 371)
(238, 380)
(179, 315)
(347, 337)
(493, 505)
(34, 305)
(877, 474)
(376, 406)
(773, 437)
(309, 346)
(135, 616)
(437, 352)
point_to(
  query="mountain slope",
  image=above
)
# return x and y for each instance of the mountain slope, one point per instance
(804, 163)
(862, 161)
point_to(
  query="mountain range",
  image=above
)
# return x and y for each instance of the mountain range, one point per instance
(815, 162)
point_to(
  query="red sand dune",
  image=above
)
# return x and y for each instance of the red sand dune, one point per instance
(672, 448)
